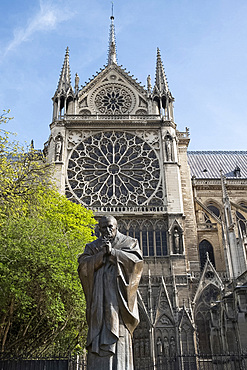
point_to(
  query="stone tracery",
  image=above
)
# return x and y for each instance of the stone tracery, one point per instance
(114, 169)
(114, 99)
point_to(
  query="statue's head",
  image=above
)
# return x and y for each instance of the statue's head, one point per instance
(108, 227)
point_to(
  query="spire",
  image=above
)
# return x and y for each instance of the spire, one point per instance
(64, 84)
(160, 76)
(112, 53)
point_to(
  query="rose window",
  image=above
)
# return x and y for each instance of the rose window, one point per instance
(113, 100)
(114, 169)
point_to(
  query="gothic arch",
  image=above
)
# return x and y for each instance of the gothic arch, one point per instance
(206, 247)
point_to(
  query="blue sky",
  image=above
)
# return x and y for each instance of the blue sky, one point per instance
(202, 43)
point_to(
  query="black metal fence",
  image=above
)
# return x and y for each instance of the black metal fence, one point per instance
(48, 363)
(183, 362)
(196, 362)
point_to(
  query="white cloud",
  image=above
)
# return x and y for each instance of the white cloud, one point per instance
(48, 17)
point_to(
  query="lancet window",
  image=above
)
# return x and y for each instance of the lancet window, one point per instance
(152, 235)
(204, 248)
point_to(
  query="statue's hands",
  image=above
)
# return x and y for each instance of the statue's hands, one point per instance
(107, 246)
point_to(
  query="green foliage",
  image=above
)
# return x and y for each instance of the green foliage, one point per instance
(23, 170)
(42, 307)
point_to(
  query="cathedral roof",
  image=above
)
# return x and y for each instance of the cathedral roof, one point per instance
(208, 164)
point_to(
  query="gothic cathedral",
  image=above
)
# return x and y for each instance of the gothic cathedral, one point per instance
(117, 150)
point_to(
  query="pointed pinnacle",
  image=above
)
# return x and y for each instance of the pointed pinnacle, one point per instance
(64, 83)
(160, 76)
(112, 53)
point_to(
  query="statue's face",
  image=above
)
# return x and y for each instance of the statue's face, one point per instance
(108, 228)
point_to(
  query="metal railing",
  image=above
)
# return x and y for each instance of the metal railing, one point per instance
(195, 362)
(44, 363)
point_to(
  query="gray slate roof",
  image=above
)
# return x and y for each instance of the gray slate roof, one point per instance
(207, 164)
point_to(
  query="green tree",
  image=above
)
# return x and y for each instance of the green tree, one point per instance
(42, 308)
(23, 170)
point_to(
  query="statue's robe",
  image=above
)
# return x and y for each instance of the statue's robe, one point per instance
(110, 285)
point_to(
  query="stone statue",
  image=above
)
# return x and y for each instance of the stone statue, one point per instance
(176, 242)
(166, 347)
(172, 347)
(168, 147)
(58, 148)
(159, 347)
(159, 351)
(110, 270)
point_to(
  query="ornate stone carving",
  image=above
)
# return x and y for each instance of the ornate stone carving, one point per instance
(76, 136)
(150, 136)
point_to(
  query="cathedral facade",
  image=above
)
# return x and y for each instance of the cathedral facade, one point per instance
(117, 150)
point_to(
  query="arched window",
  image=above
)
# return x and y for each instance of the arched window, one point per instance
(160, 240)
(214, 209)
(204, 248)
